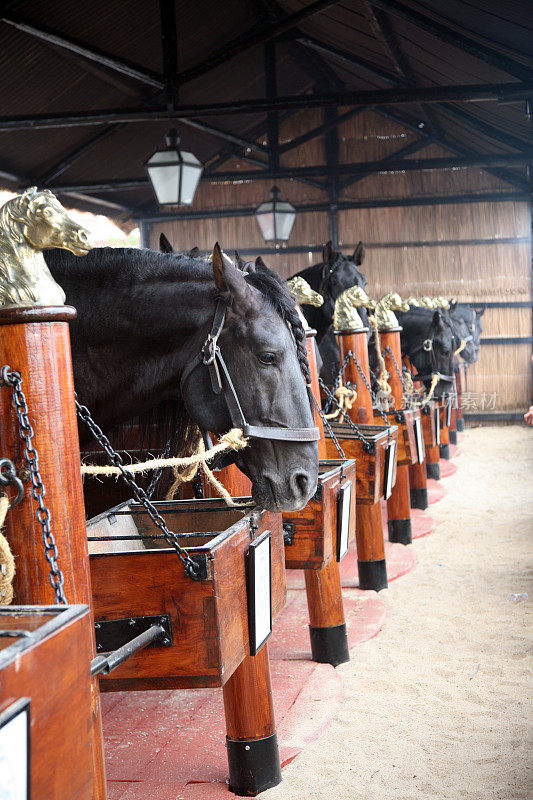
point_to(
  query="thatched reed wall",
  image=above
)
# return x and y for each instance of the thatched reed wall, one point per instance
(475, 252)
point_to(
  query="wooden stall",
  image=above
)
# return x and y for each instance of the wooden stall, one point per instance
(46, 702)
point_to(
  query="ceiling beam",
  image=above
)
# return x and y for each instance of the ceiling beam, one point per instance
(346, 59)
(320, 129)
(408, 150)
(169, 51)
(486, 92)
(255, 36)
(382, 26)
(345, 205)
(447, 34)
(413, 125)
(52, 37)
(469, 160)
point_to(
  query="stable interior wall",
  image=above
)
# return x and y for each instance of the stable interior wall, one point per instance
(476, 252)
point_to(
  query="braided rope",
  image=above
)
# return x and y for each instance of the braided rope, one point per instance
(346, 398)
(7, 560)
(382, 381)
(187, 474)
(460, 348)
(232, 440)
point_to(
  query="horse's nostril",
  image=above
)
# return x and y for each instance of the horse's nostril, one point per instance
(301, 482)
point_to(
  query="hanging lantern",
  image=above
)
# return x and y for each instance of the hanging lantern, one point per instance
(275, 218)
(174, 173)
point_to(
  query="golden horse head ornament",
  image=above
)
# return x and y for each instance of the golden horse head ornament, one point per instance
(385, 309)
(30, 223)
(345, 317)
(300, 290)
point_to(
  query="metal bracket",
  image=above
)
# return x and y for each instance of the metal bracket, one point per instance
(369, 447)
(111, 634)
(202, 572)
(288, 532)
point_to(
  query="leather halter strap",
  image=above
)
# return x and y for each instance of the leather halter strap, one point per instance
(211, 357)
(427, 347)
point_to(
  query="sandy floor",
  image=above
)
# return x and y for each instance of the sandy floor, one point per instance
(437, 705)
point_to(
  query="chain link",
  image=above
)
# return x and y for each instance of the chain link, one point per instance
(329, 429)
(13, 379)
(351, 424)
(191, 567)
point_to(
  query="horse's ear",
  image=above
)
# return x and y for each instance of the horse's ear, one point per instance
(259, 263)
(164, 244)
(359, 254)
(227, 277)
(480, 310)
(453, 305)
(328, 253)
(194, 252)
(437, 318)
(240, 263)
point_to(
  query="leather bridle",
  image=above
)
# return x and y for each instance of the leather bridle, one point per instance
(427, 347)
(211, 357)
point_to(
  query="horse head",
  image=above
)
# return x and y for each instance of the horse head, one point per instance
(44, 223)
(262, 343)
(471, 317)
(339, 272)
(346, 316)
(427, 339)
(385, 308)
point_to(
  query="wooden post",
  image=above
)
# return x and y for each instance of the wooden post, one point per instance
(371, 564)
(418, 492)
(327, 625)
(399, 503)
(459, 385)
(36, 343)
(252, 744)
(444, 447)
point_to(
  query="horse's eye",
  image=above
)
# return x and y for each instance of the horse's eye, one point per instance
(267, 358)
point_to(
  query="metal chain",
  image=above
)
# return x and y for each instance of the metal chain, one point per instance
(191, 567)
(389, 350)
(350, 422)
(329, 429)
(350, 356)
(13, 379)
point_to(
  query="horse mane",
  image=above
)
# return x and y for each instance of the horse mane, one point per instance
(272, 287)
(169, 422)
(12, 217)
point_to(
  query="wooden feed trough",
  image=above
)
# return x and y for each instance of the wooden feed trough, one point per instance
(46, 702)
(135, 577)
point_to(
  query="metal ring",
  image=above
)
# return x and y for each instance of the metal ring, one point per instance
(8, 477)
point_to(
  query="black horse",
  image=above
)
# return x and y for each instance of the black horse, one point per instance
(427, 339)
(330, 278)
(143, 318)
(470, 318)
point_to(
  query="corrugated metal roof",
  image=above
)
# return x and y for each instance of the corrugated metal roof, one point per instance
(38, 77)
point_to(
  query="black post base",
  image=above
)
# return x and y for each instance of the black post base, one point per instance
(460, 424)
(433, 471)
(444, 450)
(400, 531)
(419, 498)
(453, 436)
(254, 765)
(329, 645)
(373, 575)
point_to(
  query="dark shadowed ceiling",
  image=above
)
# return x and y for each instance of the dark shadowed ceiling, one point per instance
(61, 62)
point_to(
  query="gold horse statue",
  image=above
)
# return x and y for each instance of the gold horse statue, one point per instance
(345, 316)
(30, 223)
(385, 309)
(304, 295)
(433, 302)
